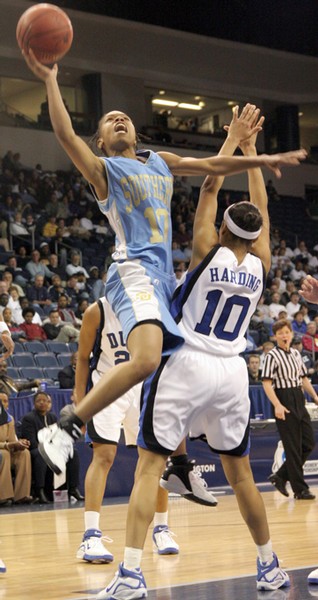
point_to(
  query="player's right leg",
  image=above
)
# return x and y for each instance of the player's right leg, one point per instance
(92, 548)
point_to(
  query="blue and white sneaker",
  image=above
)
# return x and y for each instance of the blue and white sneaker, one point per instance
(126, 585)
(270, 576)
(92, 548)
(163, 540)
(2, 567)
(313, 577)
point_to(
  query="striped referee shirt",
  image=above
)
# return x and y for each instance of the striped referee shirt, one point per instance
(285, 369)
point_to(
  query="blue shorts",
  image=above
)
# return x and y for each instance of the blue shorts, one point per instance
(139, 292)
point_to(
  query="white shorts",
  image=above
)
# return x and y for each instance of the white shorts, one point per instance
(105, 426)
(200, 394)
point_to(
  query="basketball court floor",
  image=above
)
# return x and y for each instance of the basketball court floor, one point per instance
(216, 561)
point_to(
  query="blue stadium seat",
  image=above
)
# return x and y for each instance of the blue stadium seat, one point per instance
(19, 347)
(23, 359)
(35, 347)
(56, 347)
(64, 359)
(73, 346)
(31, 373)
(51, 373)
(46, 359)
(13, 372)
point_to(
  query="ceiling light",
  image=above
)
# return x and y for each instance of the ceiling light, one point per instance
(231, 103)
(164, 102)
(162, 92)
(197, 97)
(300, 114)
(202, 104)
(189, 106)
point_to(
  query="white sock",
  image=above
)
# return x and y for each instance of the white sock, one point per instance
(132, 558)
(91, 519)
(265, 552)
(160, 519)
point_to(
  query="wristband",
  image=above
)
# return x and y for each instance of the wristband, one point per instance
(4, 327)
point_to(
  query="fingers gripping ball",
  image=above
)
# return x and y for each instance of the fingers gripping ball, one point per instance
(47, 30)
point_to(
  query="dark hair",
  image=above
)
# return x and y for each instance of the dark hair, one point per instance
(246, 215)
(28, 309)
(40, 394)
(280, 324)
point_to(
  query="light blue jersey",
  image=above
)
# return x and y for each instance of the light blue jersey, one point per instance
(138, 208)
(141, 281)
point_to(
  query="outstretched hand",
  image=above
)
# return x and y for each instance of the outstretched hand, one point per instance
(309, 289)
(245, 125)
(41, 71)
(274, 162)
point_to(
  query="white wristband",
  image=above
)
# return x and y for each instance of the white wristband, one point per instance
(4, 327)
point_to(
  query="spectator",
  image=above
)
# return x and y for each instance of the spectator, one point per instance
(72, 290)
(298, 324)
(37, 294)
(297, 272)
(306, 356)
(275, 306)
(66, 376)
(66, 313)
(82, 306)
(310, 339)
(4, 300)
(49, 228)
(293, 305)
(58, 330)
(253, 369)
(17, 313)
(55, 268)
(56, 289)
(45, 253)
(9, 386)
(74, 267)
(35, 267)
(32, 423)
(17, 334)
(33, 331)
(15, 459)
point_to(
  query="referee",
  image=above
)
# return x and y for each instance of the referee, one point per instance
(284, 377)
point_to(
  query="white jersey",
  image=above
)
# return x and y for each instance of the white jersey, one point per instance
(215, 303)
(109, 348)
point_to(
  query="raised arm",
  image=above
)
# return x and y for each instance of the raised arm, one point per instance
(89, 327)
(258, 197)
(225, 165)
(204, 233)
(84, 159)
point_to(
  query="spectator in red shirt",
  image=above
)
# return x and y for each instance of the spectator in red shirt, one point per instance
(310, 339)
(33, 331)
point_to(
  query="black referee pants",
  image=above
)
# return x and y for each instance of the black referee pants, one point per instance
(297, 435)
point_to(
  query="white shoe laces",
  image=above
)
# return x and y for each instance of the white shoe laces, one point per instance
(165, 537)
(199, 479)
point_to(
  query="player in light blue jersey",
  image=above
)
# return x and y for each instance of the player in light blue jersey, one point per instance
(136, 189)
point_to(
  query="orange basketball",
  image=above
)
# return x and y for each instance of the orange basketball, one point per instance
(47, 30)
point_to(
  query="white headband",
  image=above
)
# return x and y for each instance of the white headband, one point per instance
(242, 233)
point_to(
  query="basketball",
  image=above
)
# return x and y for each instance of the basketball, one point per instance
(47, 30)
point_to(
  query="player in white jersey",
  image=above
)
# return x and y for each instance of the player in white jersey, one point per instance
(204, 386)
(101, 346)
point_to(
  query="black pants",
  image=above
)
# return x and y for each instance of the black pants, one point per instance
(42, 476)
(298, 437)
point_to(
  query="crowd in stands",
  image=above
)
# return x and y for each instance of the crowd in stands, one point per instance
(56, 247)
